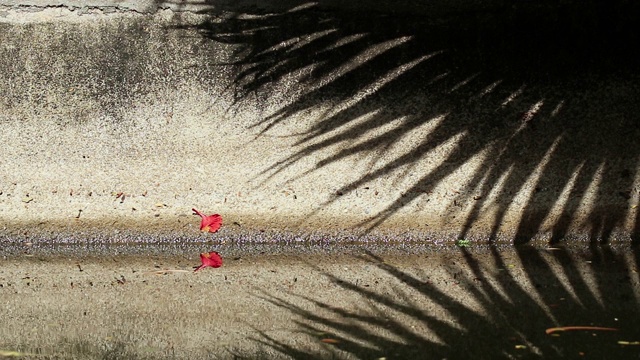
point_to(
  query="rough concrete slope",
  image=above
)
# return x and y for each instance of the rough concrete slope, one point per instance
(513, 119)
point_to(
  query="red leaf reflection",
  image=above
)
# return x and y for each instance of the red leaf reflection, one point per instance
(212, 259)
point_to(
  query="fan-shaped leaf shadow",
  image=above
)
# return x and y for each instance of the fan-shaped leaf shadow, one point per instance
(542, 98)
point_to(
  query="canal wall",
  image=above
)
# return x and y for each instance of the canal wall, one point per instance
(506, 119)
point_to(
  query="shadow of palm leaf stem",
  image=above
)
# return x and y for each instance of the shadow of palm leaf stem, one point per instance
(542, 98)
(477, 303)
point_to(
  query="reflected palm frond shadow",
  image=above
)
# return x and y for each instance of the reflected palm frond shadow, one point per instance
(538, 104)
(490, 305)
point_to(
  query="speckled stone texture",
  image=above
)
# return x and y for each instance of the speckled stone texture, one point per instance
(316, 117)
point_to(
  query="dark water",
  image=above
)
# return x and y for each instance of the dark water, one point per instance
(527, 289)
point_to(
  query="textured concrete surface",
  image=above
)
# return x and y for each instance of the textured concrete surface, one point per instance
(317, 117)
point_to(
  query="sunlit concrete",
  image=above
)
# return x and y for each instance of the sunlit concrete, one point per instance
(143, 99)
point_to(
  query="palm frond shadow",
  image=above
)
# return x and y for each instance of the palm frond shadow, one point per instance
(550, 113)
(502, 314)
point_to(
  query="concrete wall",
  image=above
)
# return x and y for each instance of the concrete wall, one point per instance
(510, 118)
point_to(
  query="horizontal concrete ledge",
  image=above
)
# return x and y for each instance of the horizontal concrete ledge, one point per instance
(316, 117)
(431, 8)
(83, 7)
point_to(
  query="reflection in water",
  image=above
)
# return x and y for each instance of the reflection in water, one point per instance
(481, 303)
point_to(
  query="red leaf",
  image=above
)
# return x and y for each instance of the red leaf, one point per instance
(210, 223)
(212, 259)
